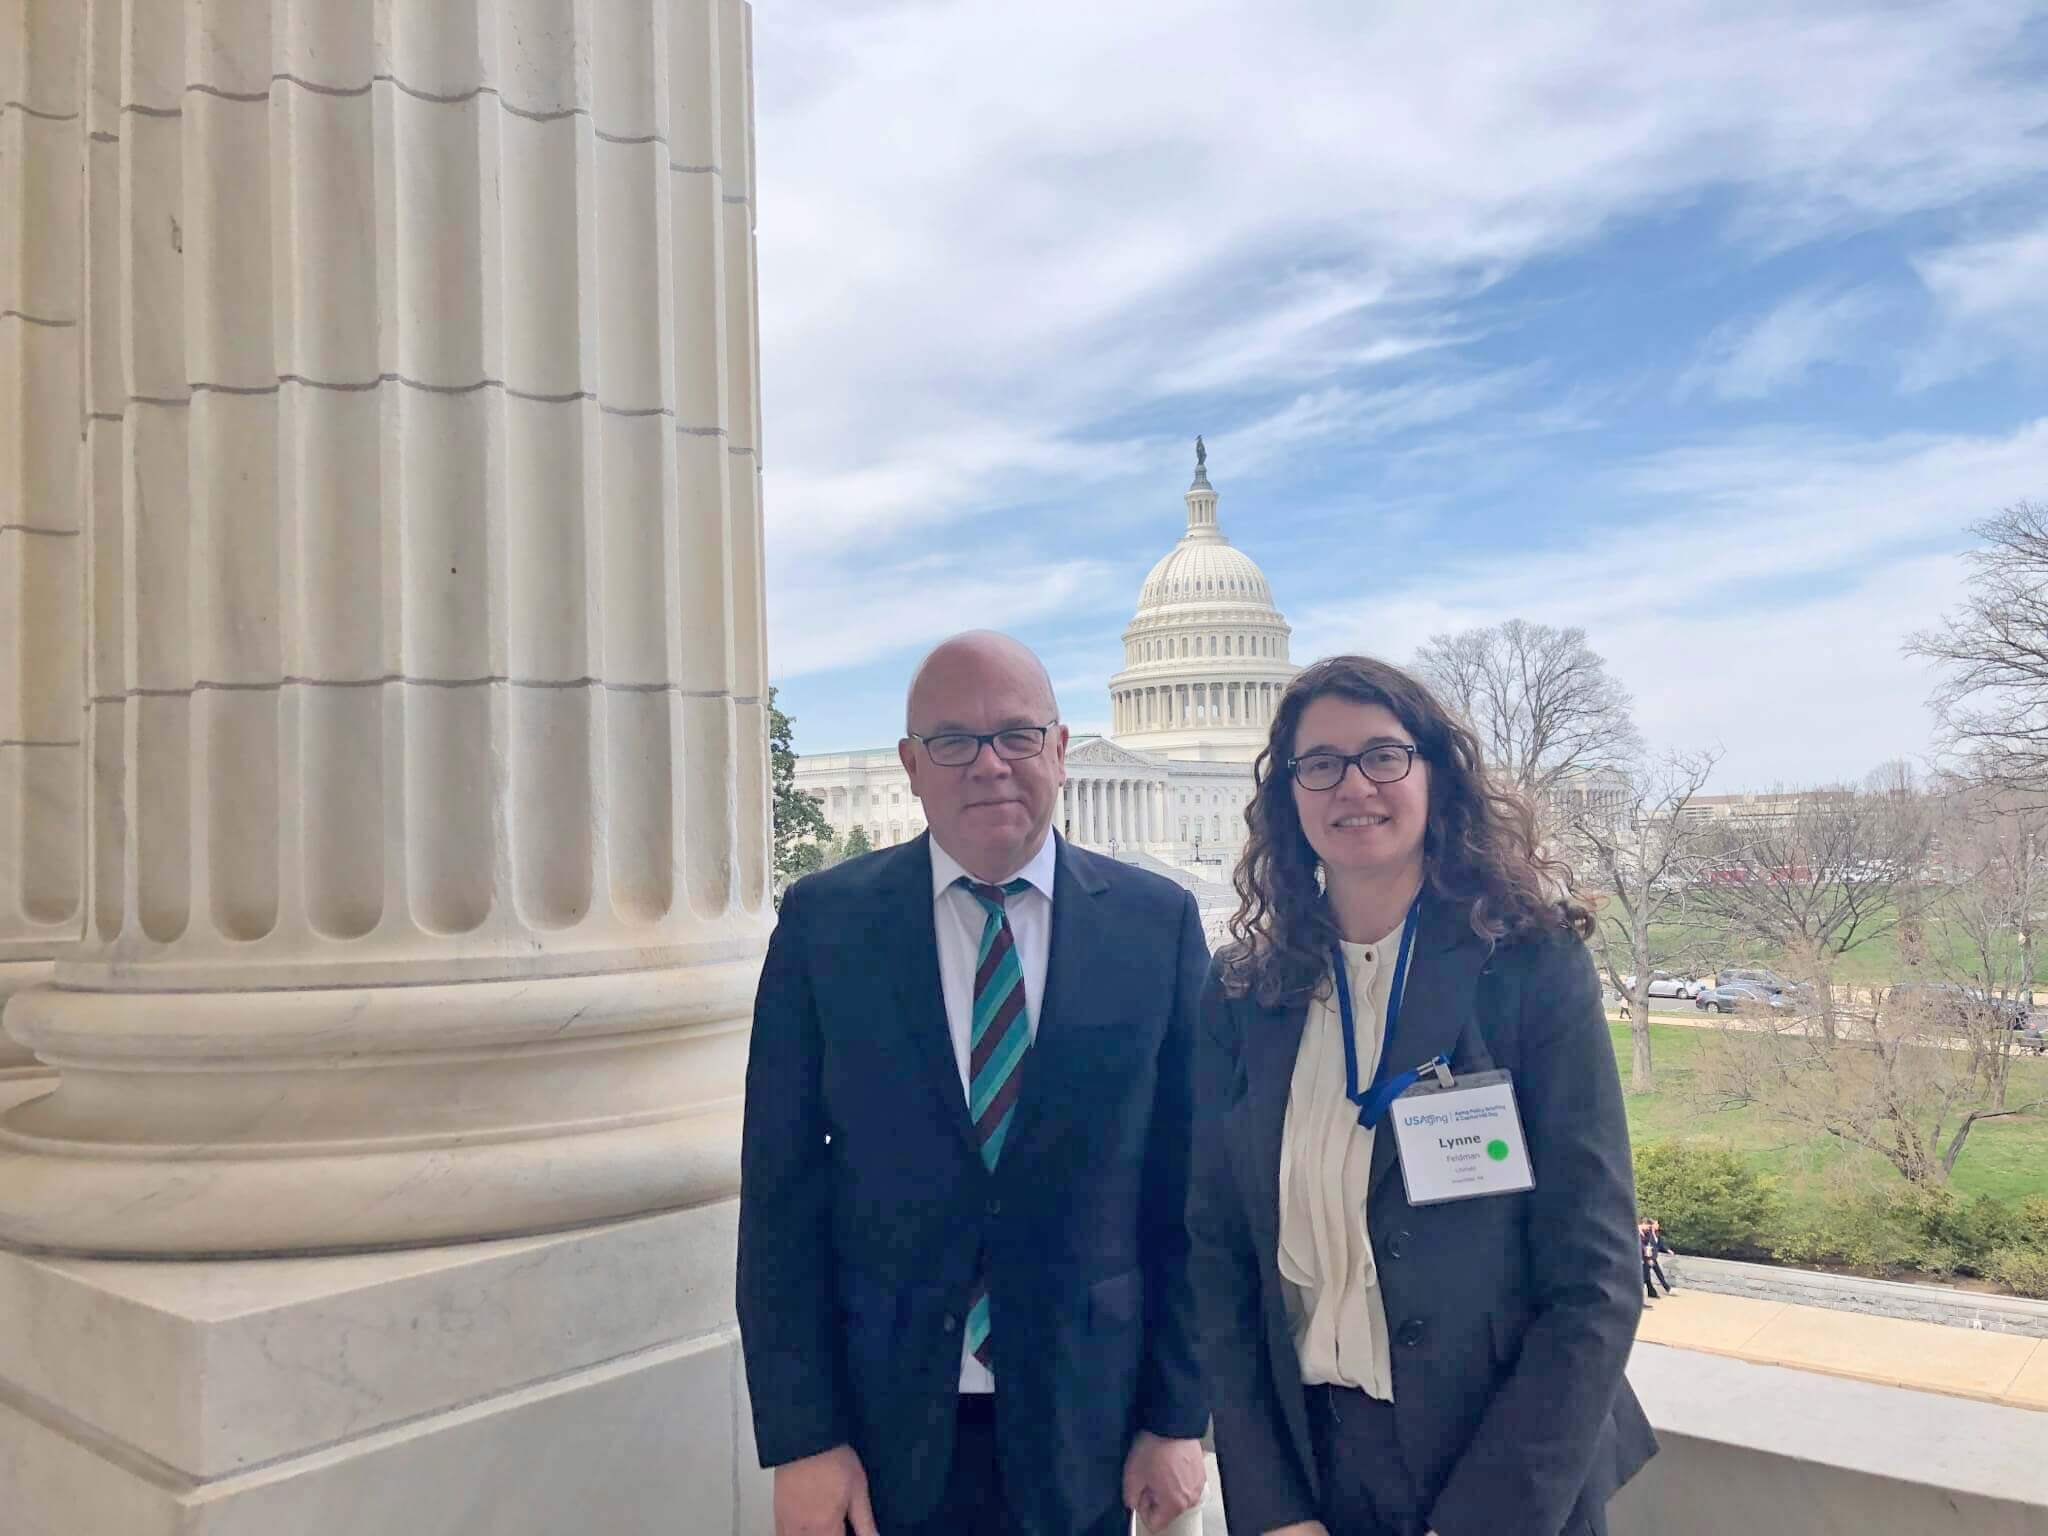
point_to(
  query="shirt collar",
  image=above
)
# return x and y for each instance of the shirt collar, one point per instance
(1039, 870)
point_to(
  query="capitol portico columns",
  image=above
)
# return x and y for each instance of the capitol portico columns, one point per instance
(428, 793)
(42, 840)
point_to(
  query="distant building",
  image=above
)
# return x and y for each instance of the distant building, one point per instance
(1771, 805)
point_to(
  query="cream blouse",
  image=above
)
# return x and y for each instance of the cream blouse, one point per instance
(1331, 1285)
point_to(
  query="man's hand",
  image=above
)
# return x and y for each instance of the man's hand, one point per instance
(821, 1495)
(1163, 1478)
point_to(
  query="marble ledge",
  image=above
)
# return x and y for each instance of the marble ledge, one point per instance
(216, 1368)
(652, 1446)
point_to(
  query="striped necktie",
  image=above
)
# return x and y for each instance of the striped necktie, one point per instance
(1000, 1036)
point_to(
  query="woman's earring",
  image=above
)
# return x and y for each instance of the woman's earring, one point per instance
(1322, 879)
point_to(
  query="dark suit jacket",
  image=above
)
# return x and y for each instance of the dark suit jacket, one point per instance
(1510, 1317)
(865, 1208)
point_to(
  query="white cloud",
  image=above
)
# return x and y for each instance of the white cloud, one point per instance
(1991, 296)
(1752, 361)
(823, 625)
(1014, 256)
(982, 214)
(1761, 601)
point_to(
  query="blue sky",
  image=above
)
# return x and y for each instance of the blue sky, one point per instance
(1708, 327)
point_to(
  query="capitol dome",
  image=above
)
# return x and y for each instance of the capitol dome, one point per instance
(1205, 657)
(1200, 569)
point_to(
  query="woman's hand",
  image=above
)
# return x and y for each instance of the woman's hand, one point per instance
(1301, 1528)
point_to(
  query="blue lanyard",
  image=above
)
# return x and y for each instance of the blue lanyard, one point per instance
(1386, 1086)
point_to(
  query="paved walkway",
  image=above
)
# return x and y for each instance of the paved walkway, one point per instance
(1962, 1362)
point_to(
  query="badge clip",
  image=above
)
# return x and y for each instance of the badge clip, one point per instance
(1442, 1068)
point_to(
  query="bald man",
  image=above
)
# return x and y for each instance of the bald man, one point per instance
(963, 1286)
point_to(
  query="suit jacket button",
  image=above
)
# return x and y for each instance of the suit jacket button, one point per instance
(1412, 1333)
(1397, 1245)
(995, 1207)
(952, 1322)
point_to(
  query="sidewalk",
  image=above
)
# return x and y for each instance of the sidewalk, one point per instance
(1930, 1357)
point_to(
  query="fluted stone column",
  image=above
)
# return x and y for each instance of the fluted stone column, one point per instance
(42, 838)
(429, 790)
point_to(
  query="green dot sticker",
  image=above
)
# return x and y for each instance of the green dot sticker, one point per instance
(1497, 1150)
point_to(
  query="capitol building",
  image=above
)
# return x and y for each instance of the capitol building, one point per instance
(1204, 662)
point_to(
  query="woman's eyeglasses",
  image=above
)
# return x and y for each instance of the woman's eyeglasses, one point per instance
(1325, 770)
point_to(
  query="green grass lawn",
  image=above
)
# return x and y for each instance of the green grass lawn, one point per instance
(2006, 1158)
(1692, 944)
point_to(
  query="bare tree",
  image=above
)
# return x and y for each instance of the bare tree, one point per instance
(1994, 858)
(1636, 848)
(1541, 701)
(1816, 882)
(1993, 698)
(1902, 1088)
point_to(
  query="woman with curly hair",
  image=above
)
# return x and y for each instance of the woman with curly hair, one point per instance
(1382, 1360)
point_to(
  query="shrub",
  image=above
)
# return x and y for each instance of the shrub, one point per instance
(1707, 1198)
(1901, 1228)
(1869, 1231)
(1973, 1228)
(2021, 1269)
(2032, 1221)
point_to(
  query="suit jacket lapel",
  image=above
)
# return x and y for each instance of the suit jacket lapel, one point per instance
(1437, 1005)
(1079, 960)
(920, 996)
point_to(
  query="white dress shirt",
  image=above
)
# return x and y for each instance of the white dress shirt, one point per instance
(959, 918)
(1332, 1290)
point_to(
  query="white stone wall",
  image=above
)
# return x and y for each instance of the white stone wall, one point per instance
(865, 789)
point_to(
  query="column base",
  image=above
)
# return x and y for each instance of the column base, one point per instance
(347, 1120)
(585, 1381)
(17, 1060)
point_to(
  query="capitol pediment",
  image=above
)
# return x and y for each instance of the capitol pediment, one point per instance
(1097, 753)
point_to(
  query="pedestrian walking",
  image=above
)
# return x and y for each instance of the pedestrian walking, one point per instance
(1657, 1246)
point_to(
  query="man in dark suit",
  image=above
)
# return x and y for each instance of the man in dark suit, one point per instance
(963, 1286)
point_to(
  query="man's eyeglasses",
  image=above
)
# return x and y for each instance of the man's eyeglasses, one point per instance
(957, 749)
(1326, 770)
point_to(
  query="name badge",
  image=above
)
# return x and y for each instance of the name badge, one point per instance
(1461, 1141)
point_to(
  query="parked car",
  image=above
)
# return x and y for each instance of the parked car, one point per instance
(1962, 1003)
(2034, 1039)
(1755, 976)
(1761, 976)
(1744, 997)
(1664, 984)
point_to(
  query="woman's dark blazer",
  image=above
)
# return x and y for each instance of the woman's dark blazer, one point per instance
(1509, 1317)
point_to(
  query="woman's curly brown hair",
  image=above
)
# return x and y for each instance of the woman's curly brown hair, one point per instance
(1479, 849)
